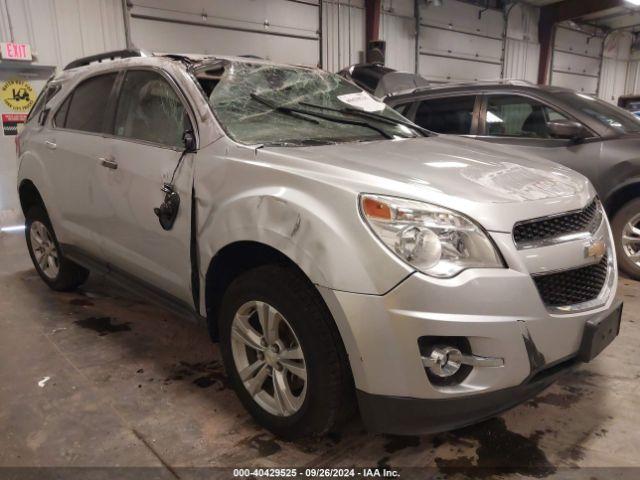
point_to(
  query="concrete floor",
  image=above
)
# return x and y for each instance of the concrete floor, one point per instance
(100, 379)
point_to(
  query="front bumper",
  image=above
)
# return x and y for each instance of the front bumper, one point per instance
(415, 416)
(500, 313)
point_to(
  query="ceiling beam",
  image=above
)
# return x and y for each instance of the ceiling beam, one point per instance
(552, 14)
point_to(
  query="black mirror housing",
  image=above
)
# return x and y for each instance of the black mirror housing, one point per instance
(189, 140)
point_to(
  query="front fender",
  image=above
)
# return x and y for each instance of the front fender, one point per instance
(314, 223)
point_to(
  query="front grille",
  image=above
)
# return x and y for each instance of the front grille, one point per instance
(534, 231)
(572, 287)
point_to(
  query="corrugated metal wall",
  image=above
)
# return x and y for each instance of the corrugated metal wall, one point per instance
(615, 64)
(61, 30)
(632, 81)
(58, 32)
(398, 29)
(522, 50)
(343, 33)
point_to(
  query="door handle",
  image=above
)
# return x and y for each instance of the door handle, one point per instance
(108, 163)
(50, 145)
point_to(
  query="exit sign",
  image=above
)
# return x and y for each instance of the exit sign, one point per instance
(15, 51)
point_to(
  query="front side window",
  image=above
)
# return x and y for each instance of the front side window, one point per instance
(613, 117)
(84, 110)
(516, 116)
(150, 110)
(452, 115)
(293, 106)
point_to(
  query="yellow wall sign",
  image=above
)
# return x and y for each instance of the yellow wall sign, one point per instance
(18, 95)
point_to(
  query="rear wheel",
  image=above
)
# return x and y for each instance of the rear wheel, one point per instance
(283, 354)
(626, 231)
(56, 271)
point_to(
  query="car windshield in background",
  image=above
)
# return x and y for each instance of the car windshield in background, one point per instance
(274, 105)
(609, 115)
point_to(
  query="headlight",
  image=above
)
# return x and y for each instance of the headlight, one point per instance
(434, 240)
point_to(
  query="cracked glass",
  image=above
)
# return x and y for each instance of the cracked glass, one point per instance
(292, 106)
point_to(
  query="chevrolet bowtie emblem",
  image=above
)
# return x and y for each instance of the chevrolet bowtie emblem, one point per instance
(595, 250)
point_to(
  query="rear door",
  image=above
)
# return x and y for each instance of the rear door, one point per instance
(150, 119)
(75, 147)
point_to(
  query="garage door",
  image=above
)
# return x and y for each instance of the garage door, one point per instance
(576, 60)
(460, 42)
(278, 30)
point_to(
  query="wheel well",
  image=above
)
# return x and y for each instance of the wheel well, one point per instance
(620, 197)
(227, 264)
(29, 196)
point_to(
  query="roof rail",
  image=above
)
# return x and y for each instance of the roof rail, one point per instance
(127, 53)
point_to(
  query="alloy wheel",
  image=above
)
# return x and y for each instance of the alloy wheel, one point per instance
(44, 249)
(269, 358)
(631, 239)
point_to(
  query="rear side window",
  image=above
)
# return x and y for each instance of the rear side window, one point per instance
(84, 110)
(150, 110)
(453, 115)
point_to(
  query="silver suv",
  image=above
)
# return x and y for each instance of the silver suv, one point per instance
(335, 250)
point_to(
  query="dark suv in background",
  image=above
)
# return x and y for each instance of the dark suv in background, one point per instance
(597, 139)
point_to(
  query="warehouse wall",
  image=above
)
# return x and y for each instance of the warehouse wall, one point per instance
(279, 30)
(632, 82)
(615, 64)
(522, 49)
(343, 37)
(58, 32)
(463, 42)
(398, 28)
(62, 30)
(576, 59)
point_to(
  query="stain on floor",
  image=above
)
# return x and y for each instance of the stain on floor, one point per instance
(103, 325)
(499, 451)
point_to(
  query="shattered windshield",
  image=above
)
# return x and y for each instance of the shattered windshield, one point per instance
(275, 105)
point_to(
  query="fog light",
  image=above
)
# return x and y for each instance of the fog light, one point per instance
(443, 361)
(448, 361)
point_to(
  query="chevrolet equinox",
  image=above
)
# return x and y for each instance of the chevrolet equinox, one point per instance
(339, 253)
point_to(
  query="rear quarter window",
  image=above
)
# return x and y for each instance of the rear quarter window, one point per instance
(85, 108)
(47, 93)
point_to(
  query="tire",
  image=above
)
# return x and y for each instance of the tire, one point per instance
(58, 272)
(327, 398)
(627, 215)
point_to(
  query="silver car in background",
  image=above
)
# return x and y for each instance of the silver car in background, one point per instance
(337, 252)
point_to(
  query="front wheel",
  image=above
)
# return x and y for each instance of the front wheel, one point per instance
(283, 354)
(58, 272)
(626, 231)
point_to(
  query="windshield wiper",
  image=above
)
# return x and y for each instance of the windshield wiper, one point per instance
(374, 116)
(282, 109)
(301, 112)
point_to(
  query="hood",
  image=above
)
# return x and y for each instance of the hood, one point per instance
(462, 174)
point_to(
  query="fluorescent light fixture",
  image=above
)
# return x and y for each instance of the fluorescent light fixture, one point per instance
(633, 2)
(12, 228)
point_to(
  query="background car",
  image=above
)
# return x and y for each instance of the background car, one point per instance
(586, 134)
(631, 103)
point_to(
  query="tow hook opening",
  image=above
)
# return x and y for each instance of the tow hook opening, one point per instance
(449, 360)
